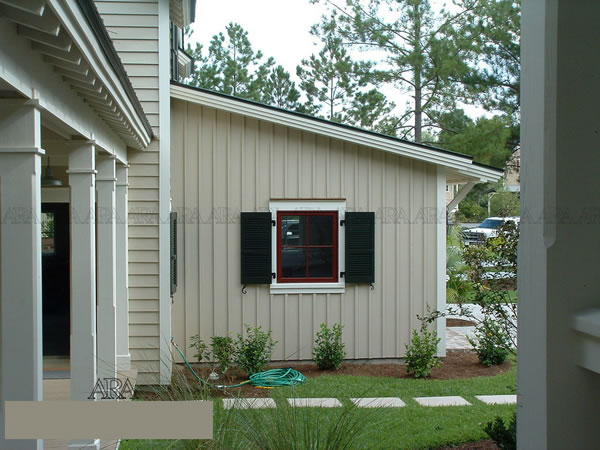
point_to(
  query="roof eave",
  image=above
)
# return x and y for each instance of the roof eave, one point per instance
(461, 164)
(72, 38)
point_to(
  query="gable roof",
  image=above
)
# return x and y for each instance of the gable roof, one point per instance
(459, 167)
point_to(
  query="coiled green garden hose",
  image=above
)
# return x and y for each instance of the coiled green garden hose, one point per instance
(268, 379)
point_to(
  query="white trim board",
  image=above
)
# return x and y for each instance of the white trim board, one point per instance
(309, 205)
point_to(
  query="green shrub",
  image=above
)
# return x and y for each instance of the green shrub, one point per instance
(504, 436)
(420, 354)
(329, 350)
(223, 350)
(254, 352)
(491, 343)
(201, 348)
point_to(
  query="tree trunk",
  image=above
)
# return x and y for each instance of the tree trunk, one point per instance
(418, 51)
(418, 109)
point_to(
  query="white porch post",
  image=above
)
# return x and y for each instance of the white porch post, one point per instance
(558, 399)
(106, 270)
(21, 261)
(82, 180)
(123, 356)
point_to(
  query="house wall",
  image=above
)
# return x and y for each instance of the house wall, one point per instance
(133, 27)
(224, 163)
(144, 271)
(137, 29)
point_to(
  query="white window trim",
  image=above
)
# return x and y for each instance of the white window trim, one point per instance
(309, 205)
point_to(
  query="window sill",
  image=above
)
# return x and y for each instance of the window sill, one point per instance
(308, 288)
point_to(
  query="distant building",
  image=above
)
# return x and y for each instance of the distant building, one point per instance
(512, 172)
(451, 191)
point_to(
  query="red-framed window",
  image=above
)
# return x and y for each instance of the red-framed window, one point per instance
(307, 246)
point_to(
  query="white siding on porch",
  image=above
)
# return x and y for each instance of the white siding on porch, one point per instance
(133, 28)
(224, 163)
(143, 263)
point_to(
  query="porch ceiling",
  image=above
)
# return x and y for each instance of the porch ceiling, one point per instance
(71, 41)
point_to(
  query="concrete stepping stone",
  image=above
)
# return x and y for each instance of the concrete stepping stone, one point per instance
(497, 399)
(315, 402)
(378, 402)
(248, 403)
(442, 401)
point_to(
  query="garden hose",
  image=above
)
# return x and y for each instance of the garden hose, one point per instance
(268, 379)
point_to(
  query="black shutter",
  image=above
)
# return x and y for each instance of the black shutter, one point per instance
(256, 247)
(173, 229)
(360, 247)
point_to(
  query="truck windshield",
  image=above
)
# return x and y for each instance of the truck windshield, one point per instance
(491, 223)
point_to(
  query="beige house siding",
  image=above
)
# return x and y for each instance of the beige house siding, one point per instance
(144, 291)
(134, 29)
(224, 163)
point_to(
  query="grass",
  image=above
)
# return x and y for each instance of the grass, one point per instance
(512, 297)
(411, 427)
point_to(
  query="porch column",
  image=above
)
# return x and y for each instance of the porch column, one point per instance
(106, 270)
(123, 356)
(21, 260)
(82, 180)
(558, 398)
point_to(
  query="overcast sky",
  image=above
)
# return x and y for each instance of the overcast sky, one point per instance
(279, 28)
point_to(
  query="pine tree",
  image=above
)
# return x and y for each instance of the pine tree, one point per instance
(279, 90)
(232, 66)
(419, 57)
(493, 28)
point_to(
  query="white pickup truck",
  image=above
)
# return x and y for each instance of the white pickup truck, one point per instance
(487, 229)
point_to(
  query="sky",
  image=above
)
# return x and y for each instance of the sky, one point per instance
(279, 28)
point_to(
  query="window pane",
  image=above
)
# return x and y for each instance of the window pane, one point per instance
(48, 234)
(321, 263)
(293, 262)
(321, 230)
(293, 230)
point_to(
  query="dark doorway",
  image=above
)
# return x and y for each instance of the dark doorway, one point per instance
(56, 286)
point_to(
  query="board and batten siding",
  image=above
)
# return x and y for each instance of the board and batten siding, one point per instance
(134, 29)
(224, 163)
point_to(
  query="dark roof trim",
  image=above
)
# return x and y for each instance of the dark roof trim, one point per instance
(487, 166)
(192, 11)
(341, 125)
(95, 22)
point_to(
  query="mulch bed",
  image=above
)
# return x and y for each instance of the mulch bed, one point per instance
(457, 364)
(459, 323)
(479, 445)
(509, 284)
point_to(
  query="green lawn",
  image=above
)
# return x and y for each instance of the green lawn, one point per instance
(411, 427)
(512, 295)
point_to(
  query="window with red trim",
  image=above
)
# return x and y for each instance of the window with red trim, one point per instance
(307, 246)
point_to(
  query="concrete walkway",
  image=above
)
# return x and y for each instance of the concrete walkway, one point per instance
(456, 337)
(371, 402)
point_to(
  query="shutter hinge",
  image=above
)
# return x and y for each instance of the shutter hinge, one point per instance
(342, 274)
(342, 223)
(274, 275)
(273, 223)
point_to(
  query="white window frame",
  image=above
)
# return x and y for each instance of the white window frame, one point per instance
(309, 205)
